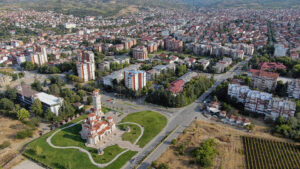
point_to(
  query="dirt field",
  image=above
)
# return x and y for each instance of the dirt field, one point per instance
(229, 145)
(8, 131)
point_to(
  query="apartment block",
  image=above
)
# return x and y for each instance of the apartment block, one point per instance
(135, 80)
(36, 58)
(172, 44)
(263, 80)
(257, 101)
(294, 88)
(140, 52)
(261, 102)
(279, 107)
(238, 92)
(86, 65)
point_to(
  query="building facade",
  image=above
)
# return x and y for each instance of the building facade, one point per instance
(294, 88)
(263, 80)
(86, 65)
(261, 102)
(26, 95)
(135, 80)
(140, 52)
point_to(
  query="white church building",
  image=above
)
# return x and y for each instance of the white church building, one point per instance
(96, 127)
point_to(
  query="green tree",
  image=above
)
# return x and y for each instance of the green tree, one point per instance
(6, 104)
(28, 65)
(205, 153)
(36, 85)
(49, 115)
(89, 100)
(36, 108)
(11, 93)
(54, 89)
(280, 120)
(296, 70)
(23, 114)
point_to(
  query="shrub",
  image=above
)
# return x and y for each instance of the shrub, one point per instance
(174, 141)
(205, 153)
(163, 166)
(5, 144)
(23, 134)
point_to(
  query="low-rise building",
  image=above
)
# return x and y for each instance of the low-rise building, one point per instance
(26, 95)
(204, 62)
(222, 65)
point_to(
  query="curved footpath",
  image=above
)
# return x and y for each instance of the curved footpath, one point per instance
(88, 153)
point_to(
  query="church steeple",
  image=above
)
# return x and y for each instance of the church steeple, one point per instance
(97, 102)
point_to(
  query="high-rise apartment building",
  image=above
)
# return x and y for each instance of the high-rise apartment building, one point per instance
(135, 80)
(86, 65)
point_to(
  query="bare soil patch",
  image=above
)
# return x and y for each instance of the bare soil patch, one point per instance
(229, 145)
(9, 129)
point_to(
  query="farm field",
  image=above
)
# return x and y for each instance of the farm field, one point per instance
(270, 154)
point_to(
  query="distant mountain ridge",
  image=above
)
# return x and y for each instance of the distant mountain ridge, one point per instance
(245, 3)
(124, 7)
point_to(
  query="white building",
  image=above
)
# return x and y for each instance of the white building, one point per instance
(279, 107)
(294, 88)
(37, 58)
(49, 101)
(118, 75)
(94, 129)
(27, 95)
(239, 92)
(261, 102)
(70, 25)
(280, 50)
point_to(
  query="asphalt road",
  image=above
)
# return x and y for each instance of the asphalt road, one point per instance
(178, 122)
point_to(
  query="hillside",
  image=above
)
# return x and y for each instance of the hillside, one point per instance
(124, 7)
(89, 7)
(245, 3)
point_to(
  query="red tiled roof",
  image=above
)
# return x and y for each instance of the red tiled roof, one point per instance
(176, 86)
(92, 114)
(262, 73)
(272, 65)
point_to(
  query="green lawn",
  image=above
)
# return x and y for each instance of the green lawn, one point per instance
(71, 137)
(134, 133)
(105, 109)
(152, 122)
(72, 158)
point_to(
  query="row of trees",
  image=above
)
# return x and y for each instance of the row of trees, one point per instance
(46, 69)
